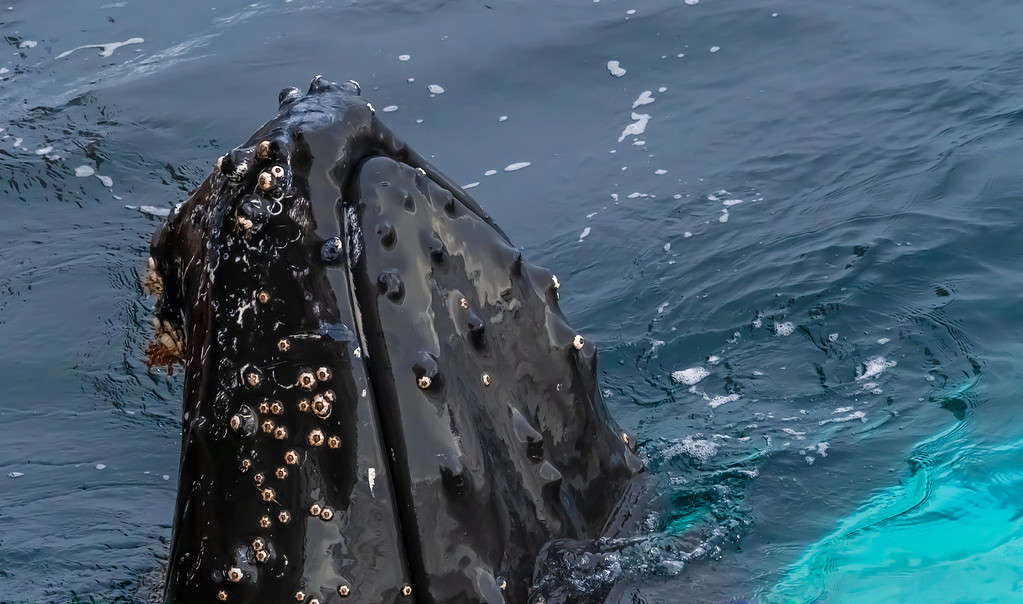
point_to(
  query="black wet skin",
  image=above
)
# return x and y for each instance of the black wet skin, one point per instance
(460, 428)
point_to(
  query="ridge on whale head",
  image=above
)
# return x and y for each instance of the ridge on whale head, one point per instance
(382, 399)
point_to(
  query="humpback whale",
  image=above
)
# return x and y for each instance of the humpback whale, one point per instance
(382, 401)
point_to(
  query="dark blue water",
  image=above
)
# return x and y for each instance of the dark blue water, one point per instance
(815, 230)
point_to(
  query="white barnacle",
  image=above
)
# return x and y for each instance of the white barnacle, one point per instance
(577, 342)
(306, 380)
(315, 437)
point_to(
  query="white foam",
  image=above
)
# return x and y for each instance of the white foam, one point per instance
(4, 70)
(660, 311)
(667, 247)
(471, 185)
(84, 171)
(490, 173)
(503, 118)
(715, 48)
(101, 466)
(637, 127)
(662, 89)
(517, 166)
(615, 68)
(731, 202)
(822, 449)
(713, 359)
(842, 410)
(832, 337)
(699, 448)
(390, 108)
(151, 210)
(721, 399)
(584, 234)
(645, 98)
(106, 180)
(692, 2)
(44, 150)
(793, 432)
(872, 367)
(631, 11)
(166, 476)
(691, 376)
(15, 474)
(845, 418)
(883, 341)
(404, 57)
(724, 216)
(784, 329)
(660, 171)
(28, 44)
(687, 235)
(435, 89)
(106, 50)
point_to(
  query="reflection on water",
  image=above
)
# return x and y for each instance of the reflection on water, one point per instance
(792, 229)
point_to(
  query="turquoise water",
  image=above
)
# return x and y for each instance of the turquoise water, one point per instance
(802, 269)
(949, 531)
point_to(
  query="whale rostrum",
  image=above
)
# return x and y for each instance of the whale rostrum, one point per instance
(382, 399)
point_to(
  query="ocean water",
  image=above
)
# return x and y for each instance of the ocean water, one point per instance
(791, 227)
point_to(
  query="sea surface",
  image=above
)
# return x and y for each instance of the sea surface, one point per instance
(792, 227)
